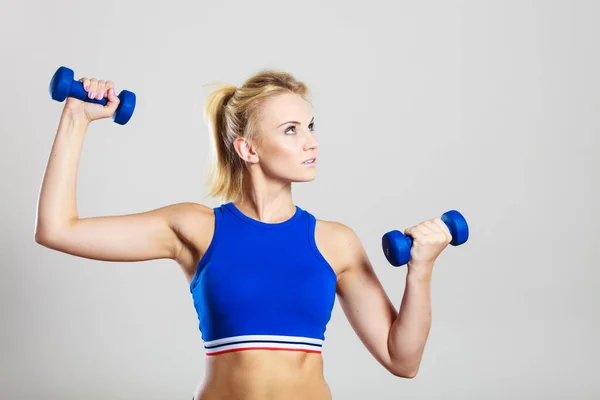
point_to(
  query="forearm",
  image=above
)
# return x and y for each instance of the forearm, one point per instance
(410, 330)
(57, 198)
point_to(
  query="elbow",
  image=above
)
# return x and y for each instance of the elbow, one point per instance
(405, 363)
(410, 374)
(406, 370)
(47, 237)
(44, 238)
(405, 373)
(40, 235)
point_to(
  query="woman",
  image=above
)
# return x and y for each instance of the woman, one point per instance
(263, 273)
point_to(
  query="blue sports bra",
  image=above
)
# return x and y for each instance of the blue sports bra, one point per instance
(263, 285)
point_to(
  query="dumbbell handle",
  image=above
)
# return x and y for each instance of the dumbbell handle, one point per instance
(77, 91)
(396, 245)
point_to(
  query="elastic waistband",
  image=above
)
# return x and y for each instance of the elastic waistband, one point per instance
(263, 342)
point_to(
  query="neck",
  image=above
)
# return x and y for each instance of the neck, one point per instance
(265, 199)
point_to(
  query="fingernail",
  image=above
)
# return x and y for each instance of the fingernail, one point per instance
(87, 88)
(113, 90)
(92, 95)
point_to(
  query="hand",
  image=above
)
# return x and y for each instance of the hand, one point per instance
(430, 238)
(97, 89)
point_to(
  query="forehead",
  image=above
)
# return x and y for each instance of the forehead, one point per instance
(285, 107)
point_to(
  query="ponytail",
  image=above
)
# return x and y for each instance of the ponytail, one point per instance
(225, 174)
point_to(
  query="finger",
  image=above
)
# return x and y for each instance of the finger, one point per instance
(414, 232)
(428, 227)
(93, 91)
(113, 100)
(86, 83)
(101, 89)
(443, 227)
(421, 229)
(108, 86)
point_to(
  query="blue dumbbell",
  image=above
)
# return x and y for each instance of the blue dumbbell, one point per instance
(396, 246)
(63, 85)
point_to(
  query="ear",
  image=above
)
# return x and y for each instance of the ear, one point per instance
(244, 149)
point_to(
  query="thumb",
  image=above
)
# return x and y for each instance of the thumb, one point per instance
(113, 100)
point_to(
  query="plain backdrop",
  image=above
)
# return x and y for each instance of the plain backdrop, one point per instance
(487, 107)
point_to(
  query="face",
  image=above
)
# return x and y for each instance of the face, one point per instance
(285, 147)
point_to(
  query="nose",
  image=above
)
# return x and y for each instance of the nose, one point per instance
(311, 142)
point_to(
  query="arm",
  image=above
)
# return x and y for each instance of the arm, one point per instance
(396, 339)
(149, 235)
(410, 330)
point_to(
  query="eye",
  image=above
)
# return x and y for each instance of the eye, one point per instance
(292, 129)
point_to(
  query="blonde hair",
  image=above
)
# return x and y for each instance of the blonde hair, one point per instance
(231, 112)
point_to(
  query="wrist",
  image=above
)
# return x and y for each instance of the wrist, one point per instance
(420, 273)
(74, 120)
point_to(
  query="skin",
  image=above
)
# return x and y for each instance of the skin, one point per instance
(183, 231)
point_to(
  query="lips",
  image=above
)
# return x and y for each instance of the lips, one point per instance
(309, 161)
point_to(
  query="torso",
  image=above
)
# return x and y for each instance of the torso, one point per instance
(264, 375)
(258, 374)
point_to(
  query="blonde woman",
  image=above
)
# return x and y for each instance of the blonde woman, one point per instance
(263, 273)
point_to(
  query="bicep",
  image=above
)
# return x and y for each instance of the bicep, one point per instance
(134, 237)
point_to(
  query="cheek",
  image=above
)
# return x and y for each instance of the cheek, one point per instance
(280, 152)
(279, 155)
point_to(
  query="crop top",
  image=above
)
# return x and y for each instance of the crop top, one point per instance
(263, 285)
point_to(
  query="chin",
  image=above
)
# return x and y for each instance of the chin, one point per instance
(295, 175)
(305, 180)
(305, 177)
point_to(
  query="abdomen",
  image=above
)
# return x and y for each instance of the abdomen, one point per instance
(264, 375)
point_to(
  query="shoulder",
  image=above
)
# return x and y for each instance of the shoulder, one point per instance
(191, 209)
(339, 244)
(188, 215)
(192, 217)
(335, 230)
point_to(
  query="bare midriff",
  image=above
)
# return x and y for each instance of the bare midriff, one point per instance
(264, 375)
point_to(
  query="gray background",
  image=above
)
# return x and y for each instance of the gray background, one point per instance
(489, 107)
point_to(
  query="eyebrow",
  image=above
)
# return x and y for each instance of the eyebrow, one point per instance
(296, 122)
